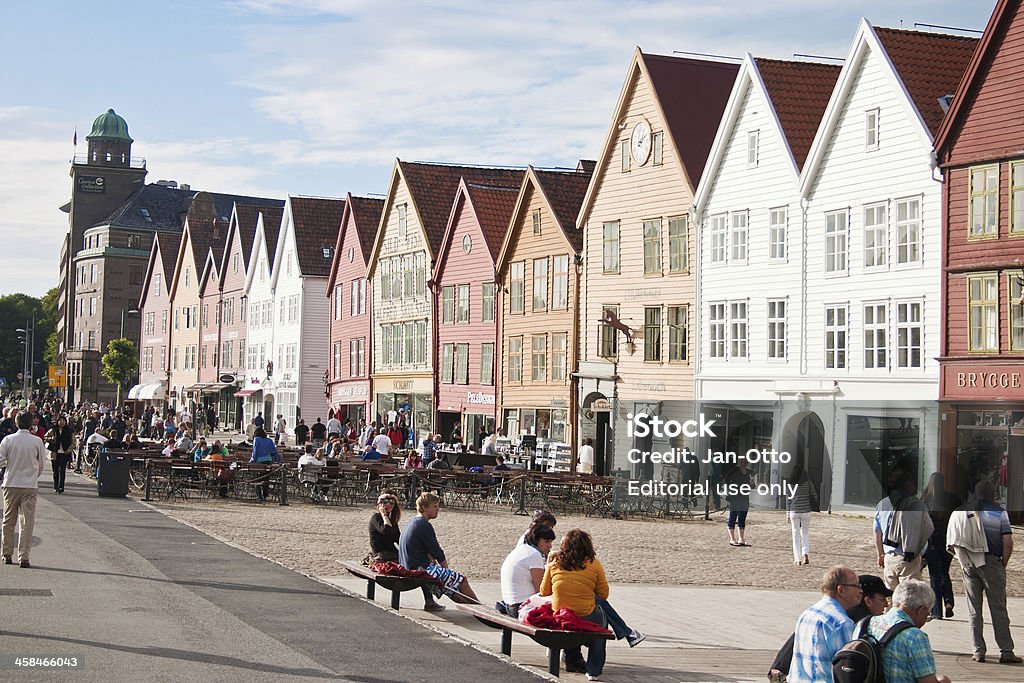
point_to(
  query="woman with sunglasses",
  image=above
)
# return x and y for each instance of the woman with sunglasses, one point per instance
(384, 530)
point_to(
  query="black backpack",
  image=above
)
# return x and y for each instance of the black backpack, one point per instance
(860, 660)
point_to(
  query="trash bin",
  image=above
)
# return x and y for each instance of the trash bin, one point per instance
(112, 476)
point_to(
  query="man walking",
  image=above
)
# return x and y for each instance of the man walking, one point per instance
(908, 656)
(25, 457)
(984, 575)
(902, 529)
(824, 627)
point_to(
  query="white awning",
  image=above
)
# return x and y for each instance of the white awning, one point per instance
(149, 392)
(133, 393)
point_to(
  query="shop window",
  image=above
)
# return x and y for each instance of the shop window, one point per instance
(876, 446)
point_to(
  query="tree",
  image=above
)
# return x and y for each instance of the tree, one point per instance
(120, 363)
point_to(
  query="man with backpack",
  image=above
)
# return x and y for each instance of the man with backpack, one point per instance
(906, 651)
(824, 627)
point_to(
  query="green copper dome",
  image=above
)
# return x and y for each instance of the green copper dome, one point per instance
(109, 126)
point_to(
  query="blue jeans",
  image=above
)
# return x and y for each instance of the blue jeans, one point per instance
(938, 574)
(596, 651)
(616, 623)
(737, 518)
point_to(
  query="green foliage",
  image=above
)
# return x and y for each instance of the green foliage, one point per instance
(16, 311)
(47, 320)
(120, 363)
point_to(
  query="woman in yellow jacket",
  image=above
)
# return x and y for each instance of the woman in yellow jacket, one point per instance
(574, 577)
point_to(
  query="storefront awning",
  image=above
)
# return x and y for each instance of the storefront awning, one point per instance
(148, 392)
(133, 393)
(215, 387)
(195, 387)
(248, 392)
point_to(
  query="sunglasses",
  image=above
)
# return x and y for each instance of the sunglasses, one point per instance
(386, 501)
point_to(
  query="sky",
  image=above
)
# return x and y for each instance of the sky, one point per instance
(318, 97)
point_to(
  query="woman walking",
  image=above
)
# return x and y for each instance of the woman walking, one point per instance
(60, 442)
(798, 510)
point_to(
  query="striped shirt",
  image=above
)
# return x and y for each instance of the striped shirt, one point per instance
(821, 631)
(908, 656)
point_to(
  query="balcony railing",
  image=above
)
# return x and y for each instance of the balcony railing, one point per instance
(101, 160)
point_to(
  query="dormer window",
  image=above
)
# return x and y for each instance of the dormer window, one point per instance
(327, 252)
(145, 215)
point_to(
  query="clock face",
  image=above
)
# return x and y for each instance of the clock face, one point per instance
(640, 142)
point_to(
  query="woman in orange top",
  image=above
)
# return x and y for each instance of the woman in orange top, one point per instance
(574, 576)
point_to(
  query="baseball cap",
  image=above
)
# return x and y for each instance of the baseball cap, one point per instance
(873, 585)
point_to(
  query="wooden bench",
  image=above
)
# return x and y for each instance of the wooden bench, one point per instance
(396, 584)
(553, 639)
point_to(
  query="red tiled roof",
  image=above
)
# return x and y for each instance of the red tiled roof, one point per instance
(366, 213)
(799, 92)
(565, 191)
(316, 225)
(247, 216)
(170, 243)
(693, 94)
(205, 234)
(433, 187)
(494, 206)
(930, 66)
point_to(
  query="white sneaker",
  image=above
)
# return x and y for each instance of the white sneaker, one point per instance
(593, 678)
(635, 638)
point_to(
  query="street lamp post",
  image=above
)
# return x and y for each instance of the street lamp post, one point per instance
(30, 350)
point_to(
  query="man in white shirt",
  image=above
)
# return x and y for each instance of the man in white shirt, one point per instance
(333, 427)
(24, 455)
(382, 444)
(587, 456)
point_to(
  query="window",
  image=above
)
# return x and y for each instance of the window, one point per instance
(716, 330)
(908, 231)
(385, 345)
(609, 340)
(234, 262)
(515, 360)
(835, 242)
(983, 306)
(875, 341)
(280, 310)
(487, 364)
(487, 302)
(738, 329)
(738, 238)
(163, 321)
(336, 364)
(610, 246)
(357, 296)
(462, 310)
(909, 332)
(777, 329)
(1016, 289)
(1017, 197)
(777, 234)
(206, 315)
(188, 272)
(421, 273)
(752, 152)
(656, 147)
(835, 337)
(156, 284)
(540, 284)
(652, 333)
(409, 275)
(202, 356)
(517, 287)
(398, 344)
(871, 129)
(539, 358)
(385, 279)
(719, 238)
(92, 305)
(92, 272)
(421, 342)
(135, 275)
(558, 357)
(410, 342)
(241, 351)
(448, 305)
(560, 282)
(462, 364)
(134, 241)
(288, 261)
(357, 363)
(625, 156)
(403, 219)
(678, 258)
(447, 363)
(536, 222)
(677, 329)
(984, 201)
(876, 241)
(652, 247)
(92, 339)
(338, 302)
(225, 354)
(396, 277)
(174, 358)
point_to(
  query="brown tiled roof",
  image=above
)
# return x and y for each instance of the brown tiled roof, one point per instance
(693, 94)
(433, 188)
(494, 206)
(272, 217)
(205, 234)
(565, 191)
(366, 213)
(930, 66)
(246, 227)
(316, 224)
(799, 92)
(170, 243)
